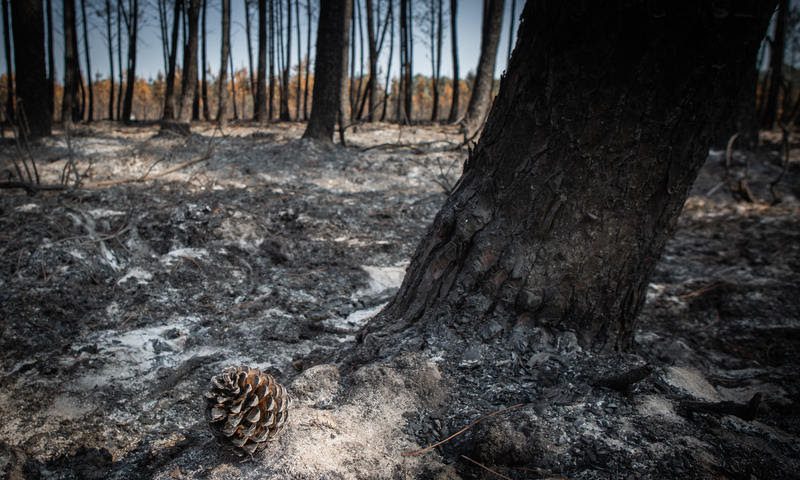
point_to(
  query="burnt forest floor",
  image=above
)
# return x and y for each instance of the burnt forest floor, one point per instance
(119, 300)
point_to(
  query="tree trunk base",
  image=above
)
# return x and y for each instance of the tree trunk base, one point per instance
(175, 127)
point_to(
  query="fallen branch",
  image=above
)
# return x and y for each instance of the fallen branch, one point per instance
(745, 411)
(423, 451)
(622, 381)
(31, 188)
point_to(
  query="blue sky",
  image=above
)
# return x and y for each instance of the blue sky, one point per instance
(150, 62)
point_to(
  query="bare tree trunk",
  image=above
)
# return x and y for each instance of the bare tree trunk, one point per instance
(287, 64)
(110, 35)
(359, 91)
(409, 100)
(511, 23)
(566, 203)
(222, 79)
(272, 29)
(481, 98)
(248, 32)
(90, 117)
(330, 69)
(350, 85)
(9, 71)
(299, 61)
(372, 86)
(51, 60)
(120, 70)
(401, 113)
(260, 107)
(27, 20)
(777, 48)
(204, 74)
(130, 83)
(189, 74)
(436, 57)
(70, 107)
(233, 87)
(308, 60)
(164, 30)
(390, 16)
(169, 93)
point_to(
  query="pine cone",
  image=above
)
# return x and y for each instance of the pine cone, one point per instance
(246, 408)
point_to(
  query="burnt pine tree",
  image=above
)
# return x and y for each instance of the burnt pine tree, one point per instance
(769, 110)
(9, 71)
(110, 38)
(189, 73)
(225, 51)
(603, 120)
(70, 108)
(372, 81)
(204, 65)
(287, 62)
(33, 89)
(51, 60)
(90, 115)
(454, 105)
(130, 77)
(260, 107)
(481, 97)
(330, 69)
(169, 93)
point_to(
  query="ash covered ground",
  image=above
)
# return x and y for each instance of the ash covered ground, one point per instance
(119, 301)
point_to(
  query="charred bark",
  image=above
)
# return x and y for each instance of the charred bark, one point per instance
(330, 69)
(70, 107)
(90, 114)
(225, 50)
(777, 47)
(27, 19)
(130, 80)
(169, 94)
(481, 98)
(9, 71)
(189, 74)
(260, 106)
(454, 105)
(600, 127)
(110, 37)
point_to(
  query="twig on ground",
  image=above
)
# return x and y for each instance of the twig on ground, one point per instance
(146, 176)
(423, 451)
(493, 472)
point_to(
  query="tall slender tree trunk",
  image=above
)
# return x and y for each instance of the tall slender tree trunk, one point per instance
(233, 88)
(169, 91)
(9, 71)
(27, 21)
(299, 61)
(164, 30)
(222, 80)
(390, 16)
(248, 32)
(130, 82)
(51, 60)
(481, 98)
(437, 64)
(372, 86)
(287, 64)
(359, 88)
(308, 59)
(511, 23)
(401, 113)
(189, 74)
(349, 102)
(330, 69)
(409, 101)
(120, 70)
(204, 62)
(777, 48)
(110, 35)
(271, 60)
(260, 107)
(70, 107)
(576, 184)
(90, 117)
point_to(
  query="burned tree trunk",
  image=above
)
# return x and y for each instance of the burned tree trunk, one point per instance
(204, 63)
(9, 71)
(566, 203)
(284, 110)
(260, 107)
(169, 94)
(777, 47)
(110, 37)
(70, 108)
(453, 117)
(90, 115)
(330, 69)
(130, 79)
(33, 91)
(222, 80)
(189, 74)
(481, 98)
